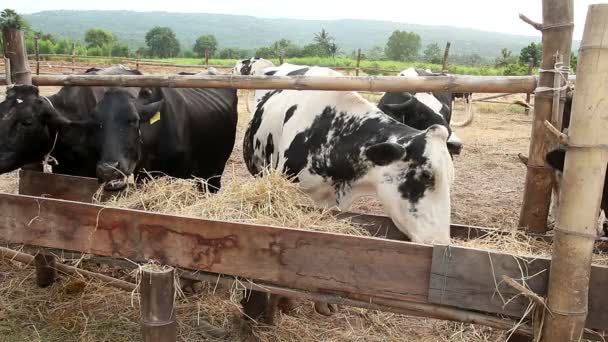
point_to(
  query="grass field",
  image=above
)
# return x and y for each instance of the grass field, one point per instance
(385, 67)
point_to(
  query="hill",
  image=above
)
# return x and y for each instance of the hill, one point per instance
(251, 32)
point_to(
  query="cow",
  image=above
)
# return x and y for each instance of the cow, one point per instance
(34, 126)
(248, 67)
(179, 132)
(556, 159)
(339, 147)
(251, 66)
(421, 110)
(418, 111)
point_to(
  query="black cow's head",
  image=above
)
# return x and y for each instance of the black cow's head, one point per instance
(407, 109)
(28, 127)
(119, 139)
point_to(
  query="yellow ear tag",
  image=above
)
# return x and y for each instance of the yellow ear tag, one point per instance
(155, 118)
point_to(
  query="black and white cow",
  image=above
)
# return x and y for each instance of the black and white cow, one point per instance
(421, 110)
(180, 132)
(341, 147)
(33, 126)
(251, 66)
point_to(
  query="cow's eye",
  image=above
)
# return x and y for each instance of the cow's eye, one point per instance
(426, 175)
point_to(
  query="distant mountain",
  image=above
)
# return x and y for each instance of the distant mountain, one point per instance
(251, 32)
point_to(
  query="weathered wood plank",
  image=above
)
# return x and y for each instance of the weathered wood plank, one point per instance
(472, 279)
(295, 258)
(82, 189)
(69, 188)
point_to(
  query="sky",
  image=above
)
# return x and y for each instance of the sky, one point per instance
(489, 15)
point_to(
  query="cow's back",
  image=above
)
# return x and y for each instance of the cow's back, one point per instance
(197, 131)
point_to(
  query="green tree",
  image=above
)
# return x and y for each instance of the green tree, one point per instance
(533, 51)
(162, 43)
(403, 46)
(325, 44)
(9, 19)
(376, 53)
(120, 50)
(206, 42)
(97, 37)
(506, 57)
(432, 54)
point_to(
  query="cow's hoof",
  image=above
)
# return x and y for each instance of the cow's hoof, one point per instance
(325, 309)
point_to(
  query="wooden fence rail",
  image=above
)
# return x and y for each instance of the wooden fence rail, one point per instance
(365, 269)
(478, 84)
(417, 273)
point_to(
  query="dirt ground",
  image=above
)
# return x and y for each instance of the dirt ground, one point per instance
(487, 192)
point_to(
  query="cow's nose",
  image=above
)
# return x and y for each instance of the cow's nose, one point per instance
(108, 171)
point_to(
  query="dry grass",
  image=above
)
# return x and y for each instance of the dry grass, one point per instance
(487, 193)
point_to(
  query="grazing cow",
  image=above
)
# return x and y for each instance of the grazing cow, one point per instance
(180, 132)
(339, 147)
(33, 126)
(421, 110)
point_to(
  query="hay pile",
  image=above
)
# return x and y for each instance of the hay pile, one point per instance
(9, 182)
(270, 200)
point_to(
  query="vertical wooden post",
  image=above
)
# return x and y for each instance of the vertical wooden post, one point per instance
(358, 62)
(46, 273)
(557, 38)
(582, 184)
(137, 60)
(528, 95)
(14, 49)
(37, 52)
(207, 58)
(73, 57)
(157, 291)
(446, 54)
(7, 71)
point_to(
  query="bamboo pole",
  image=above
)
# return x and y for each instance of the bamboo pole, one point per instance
(557, 38)
(478, 84)
(14, 50)
(29, 259)
(156, 303)
(37, 52)
(7, 72)
(446, 54)
(529, 95)
(582, 185)
(358, 62)
(73, 57)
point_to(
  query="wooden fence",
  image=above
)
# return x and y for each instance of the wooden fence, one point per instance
(394, 275)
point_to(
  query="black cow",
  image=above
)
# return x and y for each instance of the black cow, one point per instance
(422, 110)
(33, 125)
(178, 132)
(556, 159)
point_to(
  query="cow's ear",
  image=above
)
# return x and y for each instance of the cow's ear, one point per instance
(384, 153)
(148, 111)
(556, 159)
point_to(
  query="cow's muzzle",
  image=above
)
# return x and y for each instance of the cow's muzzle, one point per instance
(111, 176)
